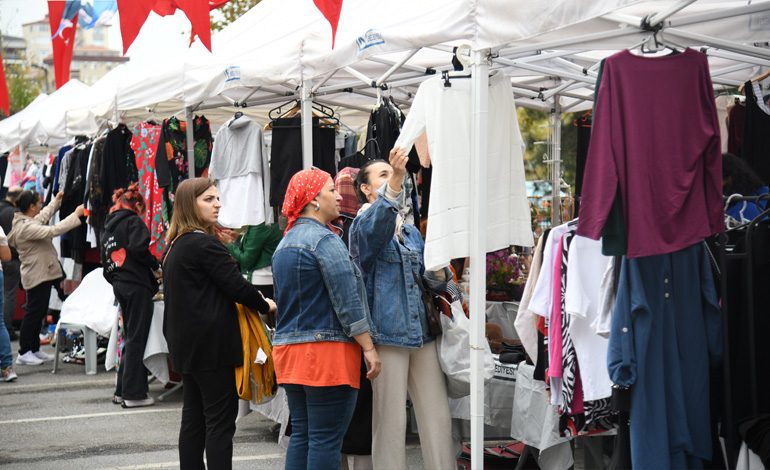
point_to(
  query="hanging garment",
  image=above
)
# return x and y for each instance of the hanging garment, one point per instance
(586, 267)
(95, 192)
(670, 185)
(204, 143)
(382, 132)
(756, 135)
(145, 145)
(73, 243)
(241, 168)
(118, 168)
(736, 122)
(740, 321)
(583, 139)
(666, 333)
(175, 139)
(286, 154)
(445, 114)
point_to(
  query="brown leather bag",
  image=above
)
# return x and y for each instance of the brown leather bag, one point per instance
(431, 310)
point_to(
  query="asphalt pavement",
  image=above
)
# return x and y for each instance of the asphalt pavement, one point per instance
(67, 421)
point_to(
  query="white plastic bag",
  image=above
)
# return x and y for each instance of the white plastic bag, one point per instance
(454, 353)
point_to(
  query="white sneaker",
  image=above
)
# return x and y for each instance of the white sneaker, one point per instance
(28, 359)
(44, 356)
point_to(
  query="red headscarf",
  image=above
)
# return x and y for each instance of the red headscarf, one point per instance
(303, 187)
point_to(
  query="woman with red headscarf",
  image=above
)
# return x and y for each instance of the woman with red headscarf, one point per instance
(322, 314)
(132, 270)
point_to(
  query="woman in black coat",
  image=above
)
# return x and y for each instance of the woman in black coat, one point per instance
(201, 284)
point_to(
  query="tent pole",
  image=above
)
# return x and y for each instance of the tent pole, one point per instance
(190, 129)
(478, 282)
(396, 66)
(306, 103)
(714, 52)
(673, 9)
(556, 162)
(720, 43)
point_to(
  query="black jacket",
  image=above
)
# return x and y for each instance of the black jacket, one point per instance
(201, 284)
(7, 210)
(125, 250)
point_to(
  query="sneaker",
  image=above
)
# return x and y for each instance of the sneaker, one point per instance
(28, 359)
(117, 400)
(8, 374)
(44, 356)
(137, 403)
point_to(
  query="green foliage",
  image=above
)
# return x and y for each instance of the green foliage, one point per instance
(23, 85)
(535, 130)
(230, 12)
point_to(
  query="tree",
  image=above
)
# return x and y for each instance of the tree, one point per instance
(23, 85)
(536, 131)
(230, 12)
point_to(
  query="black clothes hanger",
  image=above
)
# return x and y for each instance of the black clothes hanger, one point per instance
(236, 116)
(279, 111)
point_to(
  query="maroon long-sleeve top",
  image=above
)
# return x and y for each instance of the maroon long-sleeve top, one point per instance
(656, 137)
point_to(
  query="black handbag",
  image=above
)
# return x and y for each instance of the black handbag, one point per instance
(431, 310)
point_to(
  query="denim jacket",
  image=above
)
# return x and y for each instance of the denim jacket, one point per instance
(395, 301)
(319, 292)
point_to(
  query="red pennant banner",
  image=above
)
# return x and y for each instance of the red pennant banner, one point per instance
(331, 10)
(134, 13)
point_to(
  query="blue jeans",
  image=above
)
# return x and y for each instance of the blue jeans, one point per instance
(6, 356)
(319, 418)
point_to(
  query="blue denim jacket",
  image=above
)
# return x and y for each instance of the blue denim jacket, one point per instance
(319, 291)
(395, 301)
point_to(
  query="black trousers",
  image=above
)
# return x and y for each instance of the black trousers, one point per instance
(136, 305)
(11, 280)
(37, 307)
(208, 419)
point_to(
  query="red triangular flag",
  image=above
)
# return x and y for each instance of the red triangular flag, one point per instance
(197, 11)
(331, 10)
(133, 14)
(62, 39)
(5, 103)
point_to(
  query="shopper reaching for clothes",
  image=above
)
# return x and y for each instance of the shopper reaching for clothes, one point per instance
(40, 268)
(390, 254)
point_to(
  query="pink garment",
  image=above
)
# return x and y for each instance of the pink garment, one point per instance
(577, 405)
(555, 351)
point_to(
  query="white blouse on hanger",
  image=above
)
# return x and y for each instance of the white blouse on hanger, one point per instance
(241, 168)
(444, 113)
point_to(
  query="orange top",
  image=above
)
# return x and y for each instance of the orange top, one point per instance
(318, 364)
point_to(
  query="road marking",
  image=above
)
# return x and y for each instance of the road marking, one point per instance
(43, 385)
(240, 458)
(93, 415)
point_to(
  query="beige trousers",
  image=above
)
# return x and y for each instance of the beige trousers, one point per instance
(419, 372)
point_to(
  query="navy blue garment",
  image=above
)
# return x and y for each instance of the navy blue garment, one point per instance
(666, 331)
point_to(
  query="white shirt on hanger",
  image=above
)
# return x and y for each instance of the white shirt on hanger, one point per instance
(242, 171)
(444, 113)
(542, 298)
(585, 268)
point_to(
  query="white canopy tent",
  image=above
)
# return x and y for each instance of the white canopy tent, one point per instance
(281, 50)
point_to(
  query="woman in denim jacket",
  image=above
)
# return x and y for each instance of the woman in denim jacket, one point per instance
(390, 254)
(321, 306)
